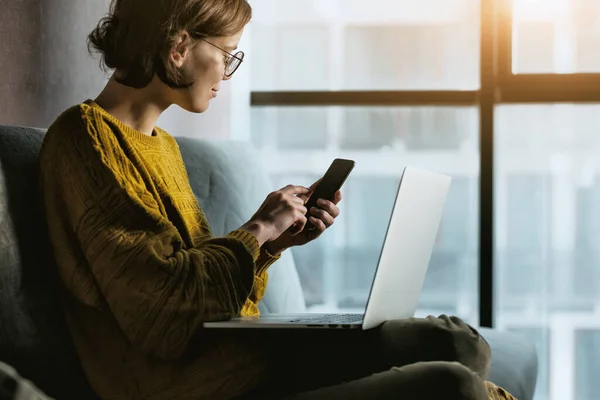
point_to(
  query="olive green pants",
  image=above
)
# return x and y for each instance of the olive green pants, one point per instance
(414, 359)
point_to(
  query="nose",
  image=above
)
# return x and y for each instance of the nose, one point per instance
(226, 78)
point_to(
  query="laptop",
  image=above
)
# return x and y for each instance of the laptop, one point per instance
(403, 262)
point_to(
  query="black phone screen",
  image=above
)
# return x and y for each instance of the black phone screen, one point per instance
(332, 181)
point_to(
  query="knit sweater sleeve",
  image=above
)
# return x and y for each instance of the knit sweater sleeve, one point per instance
(261, 278)
(158, 292)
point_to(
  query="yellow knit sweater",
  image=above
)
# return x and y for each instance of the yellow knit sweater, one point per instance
(140, 267)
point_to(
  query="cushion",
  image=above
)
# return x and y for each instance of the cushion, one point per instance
(33, 334)
(230, 185)
(514, 362)
(15, 387)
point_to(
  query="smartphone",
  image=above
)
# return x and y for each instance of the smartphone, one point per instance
(331, 182)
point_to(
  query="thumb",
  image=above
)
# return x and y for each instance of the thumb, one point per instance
(311, 189)
(295, 189)
(314, 185)
(305, 196)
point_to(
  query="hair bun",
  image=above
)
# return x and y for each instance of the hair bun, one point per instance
(136, 37)
(102, 40)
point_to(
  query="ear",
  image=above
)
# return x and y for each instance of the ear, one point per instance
(180, 49)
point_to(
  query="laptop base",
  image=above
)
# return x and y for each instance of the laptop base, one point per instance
(292, 321)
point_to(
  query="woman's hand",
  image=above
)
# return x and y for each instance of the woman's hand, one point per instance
(282, 211)
(321, 217)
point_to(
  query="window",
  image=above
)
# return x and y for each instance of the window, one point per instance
(343, 45)
(546, 219)
(337, 271)
(587, 357)
(523, 215)
(501, 94)
(556, 36)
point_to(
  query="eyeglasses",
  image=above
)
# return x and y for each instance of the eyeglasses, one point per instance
(233, 61)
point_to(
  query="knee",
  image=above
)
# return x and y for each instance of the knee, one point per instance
(466, 345)
(434, 339)
(445, 339)
(458, 382)
(444, 380)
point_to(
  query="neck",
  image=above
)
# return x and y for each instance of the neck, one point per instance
(137, 108)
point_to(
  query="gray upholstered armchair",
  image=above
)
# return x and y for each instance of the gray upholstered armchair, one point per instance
(229, 185)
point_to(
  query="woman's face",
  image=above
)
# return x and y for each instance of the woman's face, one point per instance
(203, 62)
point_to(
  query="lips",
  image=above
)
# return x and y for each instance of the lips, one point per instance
(214, 93)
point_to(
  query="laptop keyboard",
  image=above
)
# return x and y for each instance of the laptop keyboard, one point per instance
(331, 319)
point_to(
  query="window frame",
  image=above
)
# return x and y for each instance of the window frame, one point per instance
(498, 85)
(532, 87)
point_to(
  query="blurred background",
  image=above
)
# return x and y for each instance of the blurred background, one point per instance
(546, 187)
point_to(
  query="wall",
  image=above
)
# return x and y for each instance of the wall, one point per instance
(69, 74)
(20, 60)
(45, 68)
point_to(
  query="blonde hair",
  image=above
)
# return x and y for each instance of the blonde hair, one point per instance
(137, 36)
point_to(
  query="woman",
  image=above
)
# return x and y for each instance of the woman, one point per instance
(141, 269)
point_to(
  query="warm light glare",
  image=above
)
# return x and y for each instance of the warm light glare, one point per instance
(541, 10)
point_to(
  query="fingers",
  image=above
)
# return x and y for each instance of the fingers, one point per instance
(329, 207)
(299, 225)
(295, 189)
(304, 197)
(311, 189)
(297, 201)
(318, 224)
(296, 205)
(293, 197)
(293, 202)
(322, 216)
(337, 197)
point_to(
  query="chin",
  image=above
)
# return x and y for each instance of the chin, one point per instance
(200, 109)
(196, 108)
